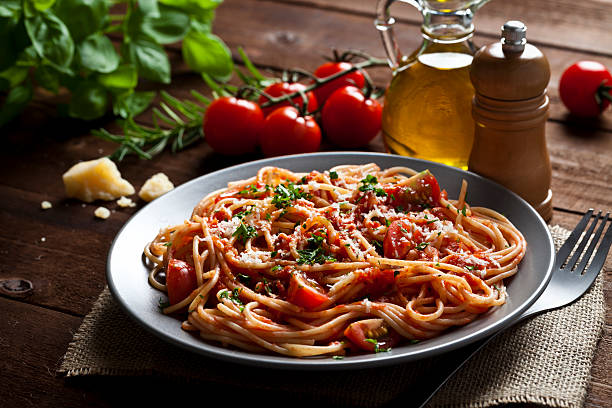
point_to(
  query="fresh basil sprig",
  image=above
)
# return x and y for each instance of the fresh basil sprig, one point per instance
(66, 44)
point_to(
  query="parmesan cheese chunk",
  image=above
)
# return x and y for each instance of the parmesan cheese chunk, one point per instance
(154, 187)
(96, 180)
(125, 202)
(102, 212)
(45, 205)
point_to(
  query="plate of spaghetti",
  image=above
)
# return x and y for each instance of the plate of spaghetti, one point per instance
(330, 260)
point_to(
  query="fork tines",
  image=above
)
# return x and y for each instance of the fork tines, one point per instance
(582, 238)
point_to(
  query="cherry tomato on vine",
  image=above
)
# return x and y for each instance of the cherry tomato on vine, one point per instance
(285, 131)
(231, 125)
(354, 78)
(285, 88)
(585, 88)
(350, 119)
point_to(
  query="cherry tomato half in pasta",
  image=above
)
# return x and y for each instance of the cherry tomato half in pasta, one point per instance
(354, 78)
(350, 119)
(180, 280)
(372, 335)
(285, 131)
(303, 294)
(286, 88)
(584, 88)
(423, 191)
(400, 239)
(231, 125)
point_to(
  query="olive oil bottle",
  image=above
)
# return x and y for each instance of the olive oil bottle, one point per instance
(428, 104)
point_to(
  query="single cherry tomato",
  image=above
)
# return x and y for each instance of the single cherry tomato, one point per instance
(231, 125)
(304, 294)
(422, 191)
(180, 280)
(585, 88)
(377, 281)
(354, 78)
(350, 119)
(285, 88)
(285, 131)
(372, 335)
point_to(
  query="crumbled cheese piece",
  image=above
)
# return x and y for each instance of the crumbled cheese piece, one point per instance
(125, 202)
(157, 185)
(102, 212)
(45, 205)
(227, 228)
(96, 180)
(43, 239)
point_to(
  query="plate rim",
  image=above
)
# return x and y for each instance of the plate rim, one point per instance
(292, 363)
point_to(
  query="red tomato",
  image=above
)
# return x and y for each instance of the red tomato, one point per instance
(285, 88)
(377, 282)
(422, 192)
(180, 280)
(286, 132)
(303, 294)
(231, 125)
(372, 335)
(400, 239)
(349, 119)
(579, 85)
(354, 78)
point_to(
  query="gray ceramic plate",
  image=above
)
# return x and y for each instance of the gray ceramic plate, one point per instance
(127, 275)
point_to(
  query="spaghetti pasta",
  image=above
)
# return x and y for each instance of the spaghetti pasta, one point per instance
(352, 259)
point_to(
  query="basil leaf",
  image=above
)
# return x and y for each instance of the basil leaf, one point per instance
(88, 101)
(15, 102)
(97, 53)
(47, 77)
(10, 8)
(205, 52)
(149, 8)
(132, 103)
(124, 77)
(82, 17)
(14, 75)
(150, 59)
(50, 38)
(42, 5)
(171, 26)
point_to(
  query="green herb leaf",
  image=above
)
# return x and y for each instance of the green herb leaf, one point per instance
(170, 26)
(286, 194)
(150, 59)
(124, 77)
(422, 246)
(50, 38)
(89, 101)
(97, 53)
(245, 232)
(82, 17)
(205, 52)
(132, 103)
(15, 102)
(333, 175)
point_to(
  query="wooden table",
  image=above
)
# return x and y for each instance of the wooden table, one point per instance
(63, 250)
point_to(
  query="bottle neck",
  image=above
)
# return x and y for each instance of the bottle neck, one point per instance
(447, 28)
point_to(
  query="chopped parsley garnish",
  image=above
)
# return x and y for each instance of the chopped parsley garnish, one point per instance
(163, 303)
(333, 175)
(246, 279)
(234, 297)
(469, 267)
(314, 253)
(284, 195)
(378, 245)
(276, 268)
(463, 210)
(273, 253)
(244, 232)
(167, 244)
(337, 357)
(369, 184)
(244, 213)
(432, 221)
(251, 188)
(422, 246)
(377, 348)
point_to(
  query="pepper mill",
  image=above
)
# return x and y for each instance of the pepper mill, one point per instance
(510, 108)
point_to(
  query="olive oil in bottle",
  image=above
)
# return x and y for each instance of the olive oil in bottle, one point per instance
(427, 111)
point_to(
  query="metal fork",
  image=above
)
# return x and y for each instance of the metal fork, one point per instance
(568, 283)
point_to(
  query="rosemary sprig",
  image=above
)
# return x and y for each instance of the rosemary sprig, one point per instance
(176, 123)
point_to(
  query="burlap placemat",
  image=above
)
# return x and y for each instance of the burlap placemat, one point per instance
(545, 360)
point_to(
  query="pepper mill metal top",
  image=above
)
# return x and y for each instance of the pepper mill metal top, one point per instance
(514, 36)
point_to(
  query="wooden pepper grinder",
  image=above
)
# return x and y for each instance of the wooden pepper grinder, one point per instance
(510, 108)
